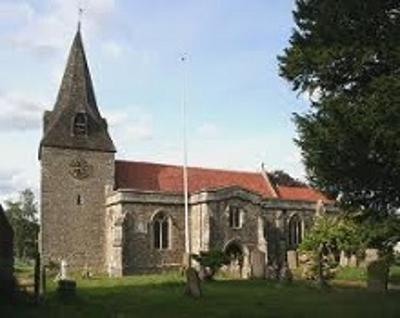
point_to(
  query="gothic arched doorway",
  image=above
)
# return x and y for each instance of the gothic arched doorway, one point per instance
(234, 251)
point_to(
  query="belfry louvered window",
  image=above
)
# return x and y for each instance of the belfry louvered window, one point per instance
(161, 232)
(80, 125)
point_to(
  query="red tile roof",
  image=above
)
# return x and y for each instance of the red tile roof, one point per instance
(300, 193)
(148, 176)
(168, 178)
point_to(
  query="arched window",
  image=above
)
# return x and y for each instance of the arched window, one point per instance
(235, 221)
(80, 125)
(295, 231)
(161, 232)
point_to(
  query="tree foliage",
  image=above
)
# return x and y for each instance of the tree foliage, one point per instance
(283, 178)
(212, 261)
(342, 233)
(335, 233)
(23, 217)
(346, 55)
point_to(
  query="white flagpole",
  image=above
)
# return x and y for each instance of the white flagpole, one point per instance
(185, 158)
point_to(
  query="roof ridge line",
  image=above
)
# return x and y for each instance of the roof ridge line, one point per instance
(190, 167)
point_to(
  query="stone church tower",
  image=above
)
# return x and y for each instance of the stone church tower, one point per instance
(77, 168)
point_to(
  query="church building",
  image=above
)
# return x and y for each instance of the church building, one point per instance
(126, 217)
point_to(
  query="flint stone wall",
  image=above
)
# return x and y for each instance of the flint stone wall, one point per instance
(71, 231)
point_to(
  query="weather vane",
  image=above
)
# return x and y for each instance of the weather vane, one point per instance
(80, 13)
(184, 57)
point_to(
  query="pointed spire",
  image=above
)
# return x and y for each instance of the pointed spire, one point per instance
(76, 87)
(76, 96)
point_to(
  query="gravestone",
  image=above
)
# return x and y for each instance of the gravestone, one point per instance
(257, 262)
(193, 287)
(7, 282)
(353, 262)
(66, 287)
(371, 255)
(292, 259)
(344, 259)
(377, 275)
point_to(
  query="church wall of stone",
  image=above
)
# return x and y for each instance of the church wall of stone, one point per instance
(200, 227)
(71, 231)
(139, 254)
(220, 231)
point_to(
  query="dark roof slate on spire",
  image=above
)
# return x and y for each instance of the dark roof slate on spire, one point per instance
(76, 95)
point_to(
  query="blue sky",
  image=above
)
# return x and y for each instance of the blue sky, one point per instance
(239, 109)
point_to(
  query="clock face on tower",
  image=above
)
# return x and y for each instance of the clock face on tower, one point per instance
(80, 169)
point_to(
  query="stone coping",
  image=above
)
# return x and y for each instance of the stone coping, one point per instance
(122, 196)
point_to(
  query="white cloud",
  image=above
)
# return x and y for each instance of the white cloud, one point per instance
(130, 126)
(45, 33)
(15, 180)
(20, 112)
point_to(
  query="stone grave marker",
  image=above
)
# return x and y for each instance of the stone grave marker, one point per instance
(377, 275)
(193, 287)
(257, 261)
(292, 260)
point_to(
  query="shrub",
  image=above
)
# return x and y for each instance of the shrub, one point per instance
(210, 262)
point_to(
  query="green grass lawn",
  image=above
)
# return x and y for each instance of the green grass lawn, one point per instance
(360, 274)
(162, 296)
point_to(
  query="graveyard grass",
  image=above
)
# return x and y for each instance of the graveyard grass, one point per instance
(162, 296)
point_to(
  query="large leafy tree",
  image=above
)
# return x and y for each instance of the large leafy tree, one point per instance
(345, 54)
(23, 217)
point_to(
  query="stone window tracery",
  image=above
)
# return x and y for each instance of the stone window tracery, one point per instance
(295, 231)
(161, 231)
(235, 217)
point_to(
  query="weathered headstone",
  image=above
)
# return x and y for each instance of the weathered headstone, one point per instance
(257, 261)
(292, 260)
(371, 255)
(193, 287)
(377, 275)
(7, 281)
(353, 262)
(66, 287)
(344, 259)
